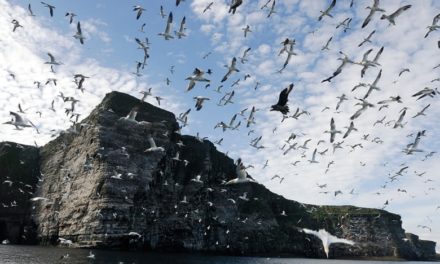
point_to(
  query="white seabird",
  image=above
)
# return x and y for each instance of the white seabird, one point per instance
(132, 114)
(327, 238)
(410, 148)
(246, 30)
(52, 60)
(241, 174)
(332, 130)
(71, 15)
(181, 33)
(199, 101)
(19, 121)
(349, 129)
(153, 147)
(391, 18)
(138, 9)
(367, 39)
(166, 34)
(231, 68)
(196, 77)
(243, 58)
(78, 35)
(434, 25)
(313, 160)
(51, 8)
(327, 11)
(399, 121)
(373, 10)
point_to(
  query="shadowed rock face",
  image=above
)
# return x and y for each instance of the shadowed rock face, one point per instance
(19, 172)
(103, 190)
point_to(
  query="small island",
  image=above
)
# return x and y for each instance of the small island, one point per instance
(95, 186)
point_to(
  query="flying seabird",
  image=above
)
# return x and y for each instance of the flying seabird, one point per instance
(243, 58)
(327, 239)
(251, 118)
(145, 94)
(52, 60)
(196, 77)
(208, 7)
(78, 34)
(391, 18)
(231, 69)
(403, 70)
(373, 86)
(51, 8)
(367, 63)
(313, 160)
(332, 130)
(290, 52)
(181, 33)
(364, 105)
(341, 98)
(16, 24)
(30, 10)
(199, 101)
(425, 92)
(272, 9)
(287, 44)
(242, 176)
(166, 34)
(367, 39)
(246, 30)
(433, 26)
(71, 15)
(392, 99)
(132, 114)
(234, 5)
(325, 47)
(281, 105)
(19, 121)
(349, 129)
(327, 11)
(399, 121)
(344, 60)
(138, 9)
(422, 112)
(373, 10)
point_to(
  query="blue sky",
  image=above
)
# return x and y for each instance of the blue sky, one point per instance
(109, 54)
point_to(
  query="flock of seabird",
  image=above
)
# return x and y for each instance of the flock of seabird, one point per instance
(19, 121)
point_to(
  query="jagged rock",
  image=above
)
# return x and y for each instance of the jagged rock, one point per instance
(105, 191)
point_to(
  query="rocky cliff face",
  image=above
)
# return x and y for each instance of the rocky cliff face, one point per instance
(19, 172)
(104, 190)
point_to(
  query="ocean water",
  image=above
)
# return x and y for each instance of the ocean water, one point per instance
(11, 254)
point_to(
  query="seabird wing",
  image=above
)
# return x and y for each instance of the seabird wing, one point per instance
(78, 27)
(182, 25)
(283, 98)
(400, 11)
(52, 58)
(169, 22)
(435, 19)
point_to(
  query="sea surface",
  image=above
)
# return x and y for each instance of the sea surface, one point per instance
(11, 254)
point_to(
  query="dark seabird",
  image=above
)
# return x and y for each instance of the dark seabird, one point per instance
(282, 101)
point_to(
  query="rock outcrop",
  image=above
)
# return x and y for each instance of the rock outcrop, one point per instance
(103, 190)
(19, 173)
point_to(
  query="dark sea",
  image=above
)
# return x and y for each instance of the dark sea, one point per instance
(11, 254)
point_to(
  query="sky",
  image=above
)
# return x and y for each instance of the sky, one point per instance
(213, 38)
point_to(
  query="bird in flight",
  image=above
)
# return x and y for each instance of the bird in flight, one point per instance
(281, 105)
(327, 11)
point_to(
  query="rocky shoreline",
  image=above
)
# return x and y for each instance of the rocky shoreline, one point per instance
(100, 189)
